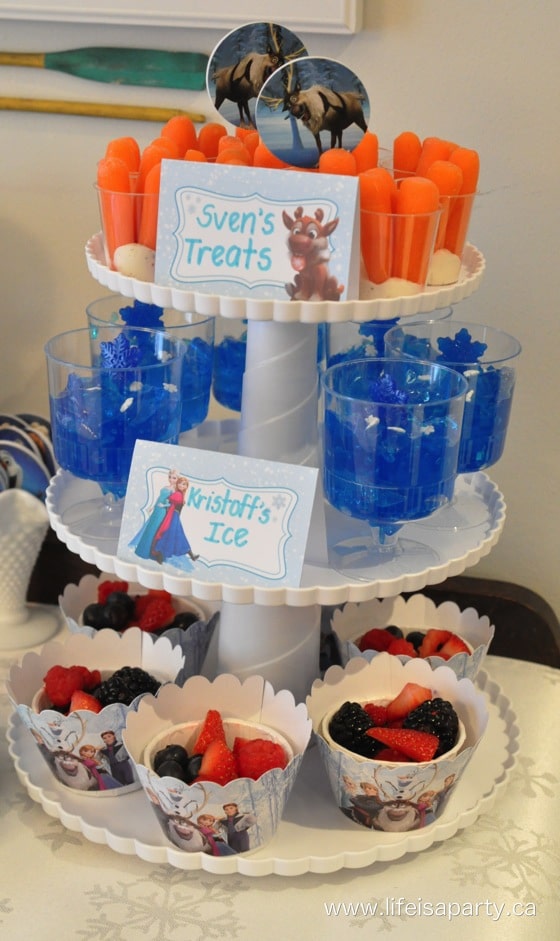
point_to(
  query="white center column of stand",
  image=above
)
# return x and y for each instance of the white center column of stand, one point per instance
(279, 423)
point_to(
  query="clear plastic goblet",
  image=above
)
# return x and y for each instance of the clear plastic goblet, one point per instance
(195, 332)
(391, 436)
(487, 358)
(109, 387)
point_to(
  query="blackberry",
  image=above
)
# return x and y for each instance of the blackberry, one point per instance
(125, 685)
(348, 726)
(438, 717)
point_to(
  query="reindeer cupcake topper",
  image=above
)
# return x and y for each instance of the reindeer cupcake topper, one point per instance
(241, 64)
(308, 105)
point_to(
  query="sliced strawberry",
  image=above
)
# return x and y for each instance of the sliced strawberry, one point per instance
(377, 713)
(257, 755)
(376, 639)
(434, 640)
(81, 700)
(410, 696)
(418, 746)
(402, 646)
(104, 589)
(218, 764)
(212, 730)
(452, 646)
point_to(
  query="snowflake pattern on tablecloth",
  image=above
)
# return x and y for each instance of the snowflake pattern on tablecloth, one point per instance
(498, 854)
(526, 779)
(165, 905)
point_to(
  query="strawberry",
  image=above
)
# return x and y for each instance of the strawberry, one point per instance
(81, 700)
(375, 639)
(452, 646)
(420, 746)
(402, 646)
(390, 754)
(104, 589)
(434, 640)
(410, 696)
(61, 682)
(377, 713)
(212, 730)
(157, 614)
(257, 755)
(218, 764)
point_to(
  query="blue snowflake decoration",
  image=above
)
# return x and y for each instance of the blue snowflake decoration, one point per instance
(386, 390)
(119, 353)
(461, 348)
(142, 315)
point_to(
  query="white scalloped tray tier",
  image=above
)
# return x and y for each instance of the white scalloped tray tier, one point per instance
(313, 836)
(456, 550)
(286, 311)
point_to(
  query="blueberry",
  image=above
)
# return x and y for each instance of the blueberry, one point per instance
(415, 638)
(94, 616)
(171, 753)
(394, 630)
(116, 615)
(183, 620)
(193, 767)
(121, 598)
(172, 769)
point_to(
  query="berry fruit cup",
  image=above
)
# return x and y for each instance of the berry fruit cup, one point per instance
(83, 749)
(390, 795)
(249, 709)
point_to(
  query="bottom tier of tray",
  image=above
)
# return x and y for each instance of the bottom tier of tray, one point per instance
(313, 835)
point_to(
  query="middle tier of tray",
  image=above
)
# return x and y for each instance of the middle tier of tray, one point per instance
(456, 550)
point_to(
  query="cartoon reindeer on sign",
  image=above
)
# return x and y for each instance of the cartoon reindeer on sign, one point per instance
(308, 243)
(244, 79)
(323, 109)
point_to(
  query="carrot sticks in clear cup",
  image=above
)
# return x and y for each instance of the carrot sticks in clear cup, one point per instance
(116, 205)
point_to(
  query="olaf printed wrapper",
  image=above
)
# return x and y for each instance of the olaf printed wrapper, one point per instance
(84, 750)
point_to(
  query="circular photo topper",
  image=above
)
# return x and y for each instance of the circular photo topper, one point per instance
(309, 105)
(241, 64)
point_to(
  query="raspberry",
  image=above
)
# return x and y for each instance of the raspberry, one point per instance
(61, 682)
(257, 755)
(402, 646)
(104, 589)
(375, 639)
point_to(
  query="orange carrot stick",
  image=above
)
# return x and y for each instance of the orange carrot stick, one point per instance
(407, 148)
(433, 148)
(147, 233)
(208, 138)
(376, 187)
(448, 178)
(195, 155)
(366, 152)
(263, 157)
(127, 149)
(181, 129)
(416, 204)
(337, 161)
(168, 146)
(116, 204)
(460, 216)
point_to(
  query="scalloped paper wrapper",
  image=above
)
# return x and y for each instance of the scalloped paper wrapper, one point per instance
(416, 613)
(259, 805)
(394, 796)
(73, 746)
(193, 642)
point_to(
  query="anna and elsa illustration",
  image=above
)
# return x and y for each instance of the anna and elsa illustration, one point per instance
(162, 535)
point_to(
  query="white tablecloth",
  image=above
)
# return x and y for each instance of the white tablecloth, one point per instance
(499, 878)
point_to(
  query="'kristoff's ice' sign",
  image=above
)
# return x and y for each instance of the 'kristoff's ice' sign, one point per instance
(251, 232)
(218, 517)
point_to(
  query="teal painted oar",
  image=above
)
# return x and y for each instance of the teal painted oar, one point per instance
(124, 66)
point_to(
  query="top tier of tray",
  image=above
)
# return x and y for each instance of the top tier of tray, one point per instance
(288, 311)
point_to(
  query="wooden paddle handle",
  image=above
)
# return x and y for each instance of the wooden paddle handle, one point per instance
(94, 109)
(30, 60)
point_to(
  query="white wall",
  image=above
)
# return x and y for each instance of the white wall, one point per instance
(484, 74)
